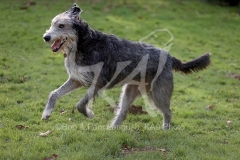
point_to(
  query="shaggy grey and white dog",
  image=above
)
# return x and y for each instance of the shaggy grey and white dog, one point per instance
(101, 61)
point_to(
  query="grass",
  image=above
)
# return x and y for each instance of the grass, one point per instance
(29, 71)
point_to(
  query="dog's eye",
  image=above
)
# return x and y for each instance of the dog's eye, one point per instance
(61, 26)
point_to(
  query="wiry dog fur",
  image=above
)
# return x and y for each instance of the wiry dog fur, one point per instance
(116, 62)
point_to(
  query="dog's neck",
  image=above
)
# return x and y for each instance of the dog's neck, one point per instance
(84, 33)
(88, 38)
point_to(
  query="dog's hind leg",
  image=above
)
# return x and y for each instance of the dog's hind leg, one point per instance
(160, 96)
(68, 86)
(129, 94)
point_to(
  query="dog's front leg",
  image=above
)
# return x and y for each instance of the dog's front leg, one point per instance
(67, 87)
(82, 105)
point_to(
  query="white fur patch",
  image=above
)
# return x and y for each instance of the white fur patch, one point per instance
(74, 71)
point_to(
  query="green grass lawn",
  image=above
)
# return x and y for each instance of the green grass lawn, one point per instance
(29, 72)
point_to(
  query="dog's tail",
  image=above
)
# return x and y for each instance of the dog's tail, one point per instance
(195, 65)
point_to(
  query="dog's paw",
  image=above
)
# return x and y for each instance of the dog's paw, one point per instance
(46, 114)
(90, 113)
(45, 117)
(166, 126)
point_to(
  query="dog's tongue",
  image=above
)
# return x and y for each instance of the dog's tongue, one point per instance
(56, 45)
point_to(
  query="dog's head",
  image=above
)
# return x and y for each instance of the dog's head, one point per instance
(61, 33)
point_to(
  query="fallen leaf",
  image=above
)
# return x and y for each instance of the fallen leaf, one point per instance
(45, 133)
(19, 102)
(229, 100)
(73, 110)
(210, 107)
(136, 110)
(125, 147)
(19, 126)
(53, 157)
(235, 76)
(229, 122)
(162, 150)
(32, 3)
(132, 109)
(63, 112)
(28, 4)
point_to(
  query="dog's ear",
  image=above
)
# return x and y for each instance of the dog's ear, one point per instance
(74, 11)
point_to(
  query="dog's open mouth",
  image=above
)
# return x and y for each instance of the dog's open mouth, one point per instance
(58, 44)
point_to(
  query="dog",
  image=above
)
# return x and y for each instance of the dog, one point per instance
(102, 61)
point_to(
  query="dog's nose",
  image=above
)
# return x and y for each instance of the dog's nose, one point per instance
(47, 38)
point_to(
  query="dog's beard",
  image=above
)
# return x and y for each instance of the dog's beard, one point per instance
(69, 46)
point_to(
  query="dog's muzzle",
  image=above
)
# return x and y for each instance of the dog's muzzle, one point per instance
(57, 44)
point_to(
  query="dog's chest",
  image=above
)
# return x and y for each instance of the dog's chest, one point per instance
(76, 72)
